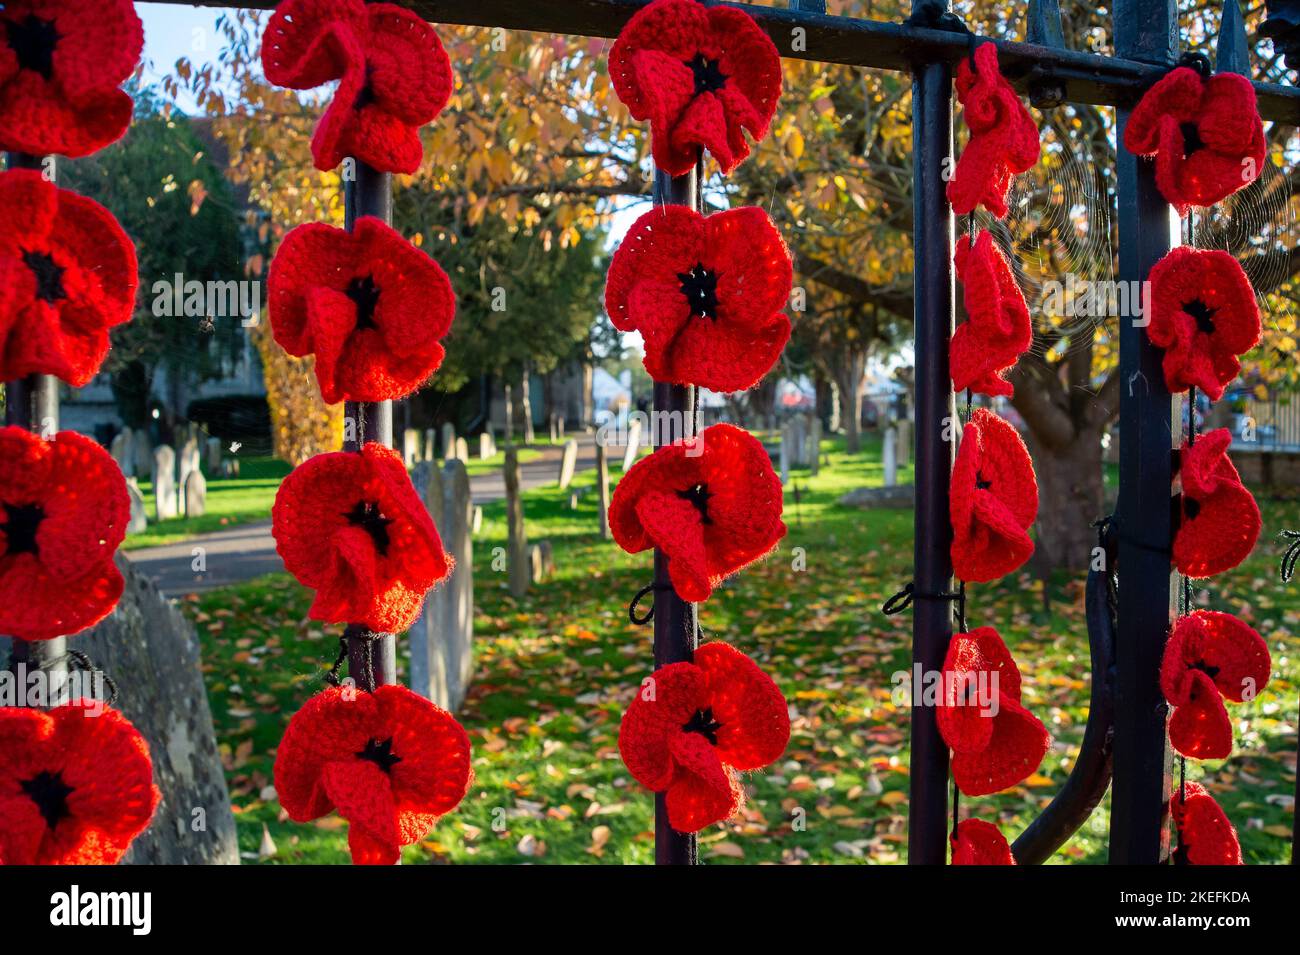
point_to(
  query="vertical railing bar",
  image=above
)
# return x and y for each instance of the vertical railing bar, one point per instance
(932, 141)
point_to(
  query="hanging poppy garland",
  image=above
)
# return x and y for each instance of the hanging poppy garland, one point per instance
(977, 842)
(1210, 657)
(390, 762)
(701, 76)
(61, 65)
(394, 77)
(1205, 133)
(993, 500)
(705, 293)
(692, 727)
(997, 330)
(1205, 835)
(1003, 137)
(64, 509)
(1204, 315)
(76, 785)
(67, 276)
(368, 304)
(1219, 521)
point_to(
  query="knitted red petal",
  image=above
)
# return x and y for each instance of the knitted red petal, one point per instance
(1205, 835)
(390, 762)
(69, 273)
(75, 788)
(997, 330)
(1220, 521)
(1016, 748)
(663, 704)
(701, 76)
(994, 500)
(978, 666)
(63, 512)
(1003, 138)
(1204, 315)
(307, 43)
(352, 527)
(704, 293)
(980, 843)
(60, 71)
(369, 305)
(1210, 656)
(751, 708)
(712, 504)
(1206, 135)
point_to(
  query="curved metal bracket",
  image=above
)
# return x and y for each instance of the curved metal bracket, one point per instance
(1090, 777)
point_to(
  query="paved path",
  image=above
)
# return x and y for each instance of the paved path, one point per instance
(248, 551)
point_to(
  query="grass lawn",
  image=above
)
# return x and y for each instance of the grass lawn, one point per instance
(556, 670)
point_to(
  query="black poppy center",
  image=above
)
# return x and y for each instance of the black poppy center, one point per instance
(1202, 313)
(380, 752)
(699, 497)
(981, 483)
(21, 523)
(704, 724)
(1191, 139)
(1207, 669)
(700, 286)
(365, 295)
(1191, 507)
(708, 77)
(50, 793)
(369, 518)
(49, 276)
(33, 41)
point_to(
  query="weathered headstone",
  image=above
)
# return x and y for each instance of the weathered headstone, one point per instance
(448, 440)
(462, 450)
(486, 446)
(517, 538)
(602, 487)
(555, 431)
(568, 463)
(633, 444)
(904, 441)
(798, 432)
(890, 457)
(815, 446)
(138, 523)
(410, 447)
(541, 562)
(142, 448)
(476, 521)
(430, 444)
(196, 494)
(213, 447)
(164, 482)
(191, 461)
(785, 453)
(122, 449)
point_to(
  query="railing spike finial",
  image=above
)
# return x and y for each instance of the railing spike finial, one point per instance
(1232, 52)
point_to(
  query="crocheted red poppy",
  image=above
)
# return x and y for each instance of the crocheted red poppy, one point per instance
(1203, 314)
(1206, 136)
(75, 788)
(390, 762)
(1219, 519)
(712, 504)
(993, 500)
(350, 526)
(67, 275)
(61, 63)
(996, 742)
(700, 75)
(705, 293)
(1003, 138)
(693, 726)
(369, 305)
(395, 77)
(1210, 657)
(980, 843)
(1205, 835)
(997, 330)
(63, 511)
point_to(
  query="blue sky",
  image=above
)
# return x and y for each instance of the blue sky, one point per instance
(172, 31)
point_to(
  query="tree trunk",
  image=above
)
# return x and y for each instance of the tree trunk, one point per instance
(509, 435)
(1069, 500)
(850, 366)
(526, 404)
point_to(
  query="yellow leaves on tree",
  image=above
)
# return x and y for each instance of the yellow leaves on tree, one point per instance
(301, 423)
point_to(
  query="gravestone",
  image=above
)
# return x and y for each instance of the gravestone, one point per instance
(410, 447)
(486, 446)
(798, 432)
(555, 430)
(890, 456)
(633, 443)
(462, 450)
(430, 444)
(815, 446)
(785, 453)
(213, 446)
(904, 450)
(164, 482)
(517, 538)
(190, 462)
(196, 494)
(541, 562)
(152, 653)
(142, 449)
(138, 523)
(448, 440)
(122, 449)
(602, 487)
(476, 522)
(568, 463)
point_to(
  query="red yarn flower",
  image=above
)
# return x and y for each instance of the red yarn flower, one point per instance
(1203, 314)
(1219, 519)
(1003, 138)
(980, 843)
(369, 305)
(712, 504)
(75, 788)
(993, 501)
(705, 293)
(1205, 835)
(63, 511)
(997, 330)
(693, 726)
(700, 75)
(394, 77)
(996, 742)
(1206, 136)
(67, 275)
(1210, 657)
(390, 762)
(61, 63)
(350, 526)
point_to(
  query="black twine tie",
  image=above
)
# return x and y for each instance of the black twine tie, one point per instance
(649, 615)
(1291, 556)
